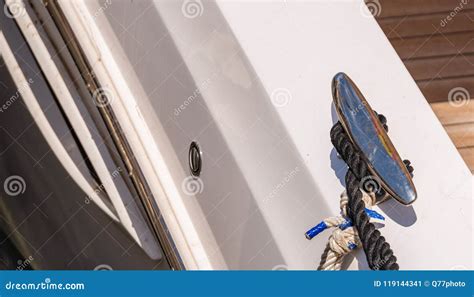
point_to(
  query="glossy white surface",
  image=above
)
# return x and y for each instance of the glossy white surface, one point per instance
(251, 82)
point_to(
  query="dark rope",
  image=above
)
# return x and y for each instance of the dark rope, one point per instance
(377, 250)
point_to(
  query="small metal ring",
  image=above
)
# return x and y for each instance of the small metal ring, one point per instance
(195, 159)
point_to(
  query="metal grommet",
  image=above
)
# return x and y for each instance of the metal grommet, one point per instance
(195, 160)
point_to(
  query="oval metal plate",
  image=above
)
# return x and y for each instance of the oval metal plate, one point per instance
(195, 159)
(368, 134)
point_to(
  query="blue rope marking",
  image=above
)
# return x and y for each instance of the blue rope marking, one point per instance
(316, 230)
(373, 214)
(346, 224)
(352, 246)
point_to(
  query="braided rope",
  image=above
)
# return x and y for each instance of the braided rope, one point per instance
(378, 252)
(342, 240)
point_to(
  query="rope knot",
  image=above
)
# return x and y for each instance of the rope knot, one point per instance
(344, 237)
(344, 241)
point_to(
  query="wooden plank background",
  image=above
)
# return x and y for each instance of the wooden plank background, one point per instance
(435, 40)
